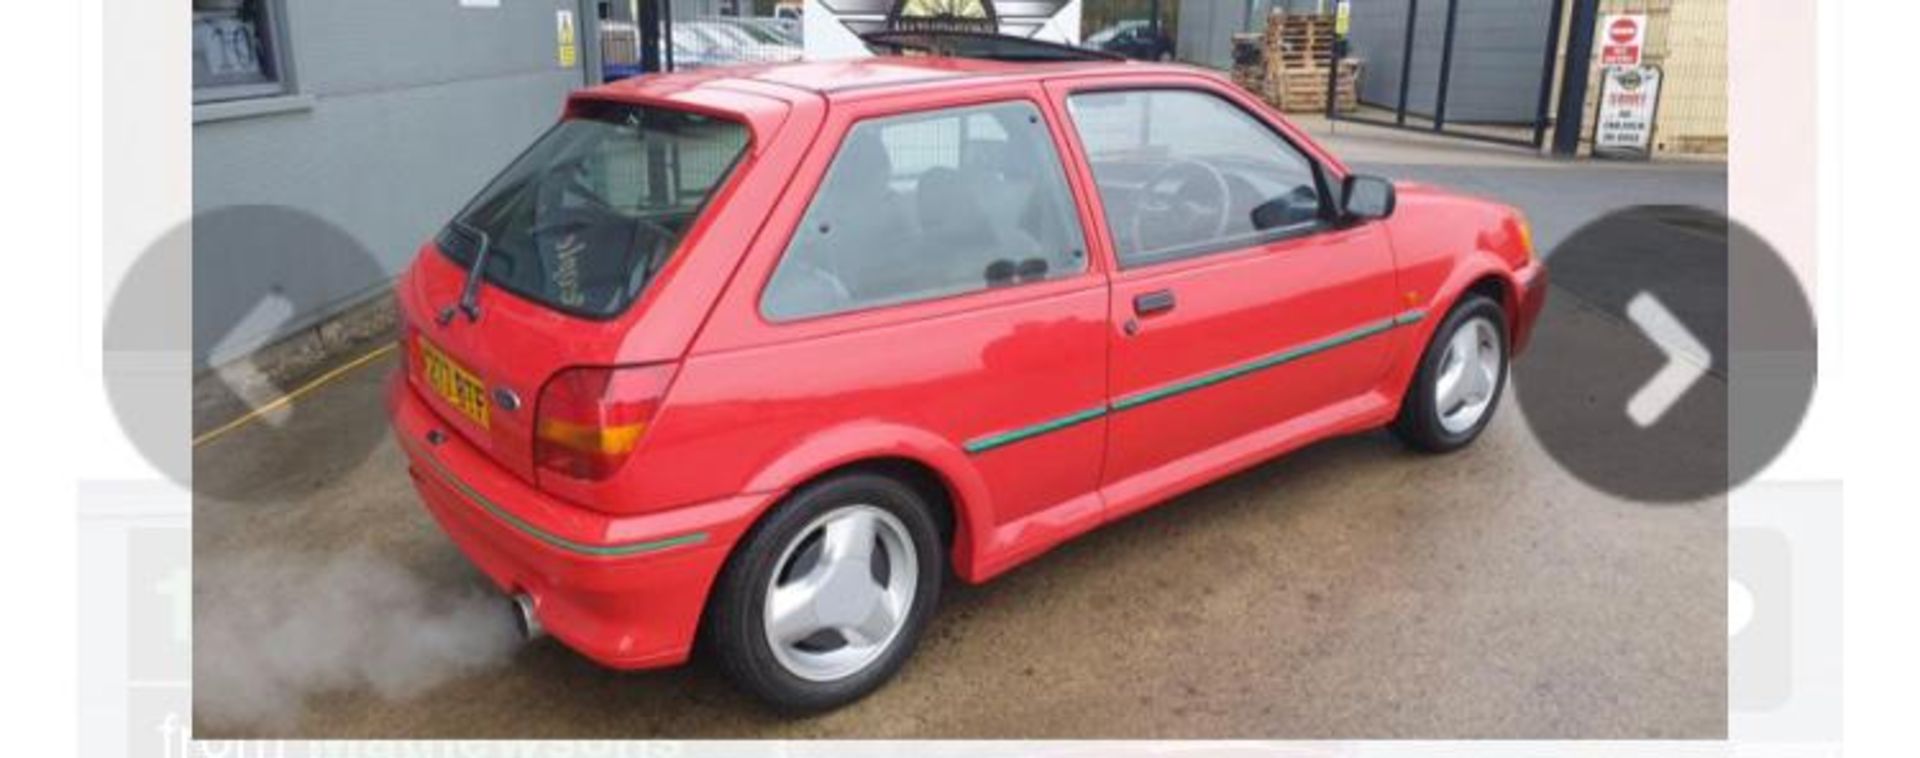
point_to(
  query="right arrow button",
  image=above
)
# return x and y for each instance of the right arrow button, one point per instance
(1673, 358)
(1687, 360)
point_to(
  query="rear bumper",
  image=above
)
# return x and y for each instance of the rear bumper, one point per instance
(1532, 281)
(625, 591)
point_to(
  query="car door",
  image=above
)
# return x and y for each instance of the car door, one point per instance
(1242, 313)
(936, 283)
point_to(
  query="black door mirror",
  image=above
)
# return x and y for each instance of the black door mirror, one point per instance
(1299, 206)
(1364, 198)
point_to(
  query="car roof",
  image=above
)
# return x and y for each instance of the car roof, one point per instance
(832, 79)
(763, 94)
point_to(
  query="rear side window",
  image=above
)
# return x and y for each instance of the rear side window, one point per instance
(1184, 173)
(583, 220)
(931, 205)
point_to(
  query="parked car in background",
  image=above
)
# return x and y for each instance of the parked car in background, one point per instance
(690, 49)
(787, 30)
(754, 32)
(765, 359)
(721, 41)
(1133, 38)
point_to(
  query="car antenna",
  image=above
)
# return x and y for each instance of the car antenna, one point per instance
(469, 302)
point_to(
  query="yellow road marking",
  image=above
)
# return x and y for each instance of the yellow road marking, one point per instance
(287, 399)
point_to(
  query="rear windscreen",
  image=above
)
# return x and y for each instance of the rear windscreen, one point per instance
(584, 219)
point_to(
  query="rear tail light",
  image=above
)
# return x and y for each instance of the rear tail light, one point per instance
(589, 420)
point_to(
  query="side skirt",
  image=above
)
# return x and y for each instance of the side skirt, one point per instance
(1020, 541)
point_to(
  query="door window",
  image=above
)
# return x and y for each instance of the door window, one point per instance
(931, 205)
(1183, 173)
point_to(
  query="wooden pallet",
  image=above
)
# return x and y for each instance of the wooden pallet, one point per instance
(1289, 67)
(1301, 90)
(1298, 29)
(1297, 41)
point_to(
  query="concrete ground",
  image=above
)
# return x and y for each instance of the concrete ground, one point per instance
(1353, 589)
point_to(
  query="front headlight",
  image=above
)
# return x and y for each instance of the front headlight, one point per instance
(1526, 234)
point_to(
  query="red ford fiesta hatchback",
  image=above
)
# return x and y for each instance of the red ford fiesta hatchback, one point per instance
(763, 356)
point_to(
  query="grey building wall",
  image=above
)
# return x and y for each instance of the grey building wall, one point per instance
(1498, 49)
(400, 112)
(1206, 29)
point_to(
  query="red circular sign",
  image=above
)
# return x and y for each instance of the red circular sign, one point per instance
(1623, 30)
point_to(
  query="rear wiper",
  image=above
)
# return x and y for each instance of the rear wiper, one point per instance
(469, 303)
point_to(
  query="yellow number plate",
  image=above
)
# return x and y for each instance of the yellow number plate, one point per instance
(458, 386)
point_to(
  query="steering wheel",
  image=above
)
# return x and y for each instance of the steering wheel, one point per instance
(566, 219)
(569, 179)
(1185, 202)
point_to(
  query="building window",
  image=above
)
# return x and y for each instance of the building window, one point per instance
(237, 50)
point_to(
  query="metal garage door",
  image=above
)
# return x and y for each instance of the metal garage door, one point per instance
(1464, 63)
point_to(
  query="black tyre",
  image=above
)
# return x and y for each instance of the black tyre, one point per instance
(824, 600)
(1461, 377)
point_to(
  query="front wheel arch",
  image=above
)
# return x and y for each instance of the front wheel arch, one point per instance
(1418, 422)
(1496, 288)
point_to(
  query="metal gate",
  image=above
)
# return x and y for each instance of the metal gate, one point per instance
(1477, 69)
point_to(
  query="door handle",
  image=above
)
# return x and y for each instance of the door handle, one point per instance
(1149, 303)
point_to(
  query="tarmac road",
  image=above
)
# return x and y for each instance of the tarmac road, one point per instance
(1353, 589)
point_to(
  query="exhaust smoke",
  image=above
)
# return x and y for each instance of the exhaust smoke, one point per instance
(271, 631)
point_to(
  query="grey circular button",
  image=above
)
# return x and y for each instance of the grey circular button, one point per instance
(258, 272)
(1675, 356)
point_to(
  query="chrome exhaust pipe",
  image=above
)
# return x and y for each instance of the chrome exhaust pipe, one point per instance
(526, 619)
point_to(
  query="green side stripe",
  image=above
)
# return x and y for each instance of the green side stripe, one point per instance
(618, 549)
(992, 441)
(1233, 372)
